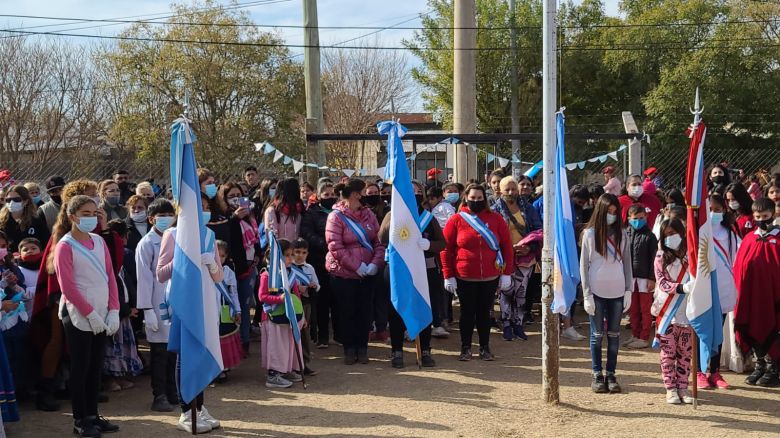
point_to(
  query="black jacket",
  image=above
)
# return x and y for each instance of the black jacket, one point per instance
(313, 231)
(37, 229)
(134, 236)
(644, 246)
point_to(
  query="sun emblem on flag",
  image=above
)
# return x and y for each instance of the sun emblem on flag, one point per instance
(402, 232)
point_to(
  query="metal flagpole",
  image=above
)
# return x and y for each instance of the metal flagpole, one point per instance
(696, 111)
(550, 341)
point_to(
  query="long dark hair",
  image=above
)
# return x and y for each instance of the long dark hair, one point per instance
(671, 255)
(740, 195)
(602, 230)
(345, 190)
(288, 193)
(28, 211)
(222, 202)
(677, 196)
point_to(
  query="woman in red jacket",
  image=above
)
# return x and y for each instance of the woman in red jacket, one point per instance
(478, 251)
(354, 258)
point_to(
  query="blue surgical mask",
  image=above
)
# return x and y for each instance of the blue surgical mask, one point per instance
(716, 217)
(211, 190)
(87, 224)
(452, 197)
(611, 219)
(271, 193)
(36, 199)
(638, 224)
(162, 223)
(671, 205)
(206, 215)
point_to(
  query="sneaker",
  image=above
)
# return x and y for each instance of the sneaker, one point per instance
(572, 334)
(362, 356)
(276, 381)
(397, 359)
(520, 333)
(293, 376)
(672, 397)
(185, 423)
(322, 345)
(440, 332)
(599, 385)
(628, 341)
(309, 372)
(426, 360)
(612, 385)
(685, 396)
(485, 354)
(702, 381)
(508, 334)
(770, 379)
(161, 404)
(465, 354)
(86, 428)
(758, 372)
(204, 416)
(105, 426)
(717, 380)
(638, 344)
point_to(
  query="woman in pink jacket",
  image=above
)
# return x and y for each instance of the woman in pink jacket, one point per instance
(354, 258)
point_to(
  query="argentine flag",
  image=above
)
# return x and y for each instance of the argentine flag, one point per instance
(192, 296)
(566, 267)
(408, 276)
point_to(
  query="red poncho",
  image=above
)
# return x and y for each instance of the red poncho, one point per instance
(757, 276)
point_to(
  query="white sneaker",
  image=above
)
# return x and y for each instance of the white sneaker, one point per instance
(572, 334)
(672, 397)
(204, 416)
(185, 424)
(685, 396)
(440, 332)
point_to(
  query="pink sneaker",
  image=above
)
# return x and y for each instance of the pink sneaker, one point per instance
(717, 380)
(702, 382)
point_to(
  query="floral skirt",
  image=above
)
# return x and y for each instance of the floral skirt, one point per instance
(121, 353)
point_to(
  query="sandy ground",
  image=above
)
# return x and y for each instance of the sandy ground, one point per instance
(455, 399)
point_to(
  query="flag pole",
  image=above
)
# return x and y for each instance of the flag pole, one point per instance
(419, 352)
(300, 362)
(696, 111)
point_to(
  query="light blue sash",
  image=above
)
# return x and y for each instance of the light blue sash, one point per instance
(357, 230)
(484, 231)
(298, 276)
(425, 219)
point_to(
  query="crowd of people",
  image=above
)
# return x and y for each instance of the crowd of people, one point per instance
(84, 267)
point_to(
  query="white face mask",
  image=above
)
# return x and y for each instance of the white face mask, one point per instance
(15, 207)
(611, 219)
(734, 205)
(673, 242)
(635, 191)
(138, 217)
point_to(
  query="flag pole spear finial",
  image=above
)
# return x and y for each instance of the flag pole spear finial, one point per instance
(697, 109)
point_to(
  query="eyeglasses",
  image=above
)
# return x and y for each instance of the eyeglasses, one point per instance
(17, 199)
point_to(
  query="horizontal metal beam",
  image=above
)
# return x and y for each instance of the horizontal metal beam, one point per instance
(472, 138)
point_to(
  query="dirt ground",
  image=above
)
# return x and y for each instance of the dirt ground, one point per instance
(455, 399)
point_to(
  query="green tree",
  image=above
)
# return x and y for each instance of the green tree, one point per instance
(243, 86)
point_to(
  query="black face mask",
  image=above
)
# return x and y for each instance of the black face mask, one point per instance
(370, 200)
(476, 206)
(419, 199)
(328, 203)
(764, 225)
(57, 199)
(720, 179)
(123, 185)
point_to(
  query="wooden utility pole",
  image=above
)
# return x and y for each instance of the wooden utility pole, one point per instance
(550, 327)
(513, 104)
(315, 151)
(464, 104)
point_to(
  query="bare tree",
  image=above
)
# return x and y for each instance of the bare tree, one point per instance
(359, 85)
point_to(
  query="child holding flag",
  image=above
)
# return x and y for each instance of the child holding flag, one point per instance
(278, 346)
(671, 272)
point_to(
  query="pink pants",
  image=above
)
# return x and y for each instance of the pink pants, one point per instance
(676, 352)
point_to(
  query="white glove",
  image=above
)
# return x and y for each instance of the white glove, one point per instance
(590, 305)
(424, 244)
(688, 287)
(150, 319)
(504, 282)
(207, 259)
(362, 270)
(96, 323)
(372, 269)
(112, 322)
(627, 301)
(451, 285)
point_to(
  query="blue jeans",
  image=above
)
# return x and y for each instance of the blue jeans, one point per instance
(245, 297)
(610, 309)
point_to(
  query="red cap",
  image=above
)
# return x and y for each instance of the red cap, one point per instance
(650, 171)
(433, 171)
(608, 169)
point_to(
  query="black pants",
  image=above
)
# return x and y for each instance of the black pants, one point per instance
(163, 372)
(354, 300)
(476, 303)
(381, 305)
(87, 354)
(324, 309)
(397, 328)
(437, 295)
(186, 407)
